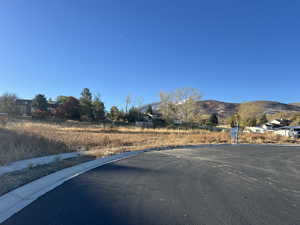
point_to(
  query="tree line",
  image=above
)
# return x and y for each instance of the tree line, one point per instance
(238, 120)
(175, 107)
(87, 107)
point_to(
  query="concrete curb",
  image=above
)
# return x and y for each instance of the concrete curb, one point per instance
(19, 198)
(23, 164)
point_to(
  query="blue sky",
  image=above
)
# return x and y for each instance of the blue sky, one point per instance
(230, 50)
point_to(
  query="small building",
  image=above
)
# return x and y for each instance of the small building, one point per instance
(289, 131)
(24, 106)
(276, 124)
(258, 130)
(52, 105)
(280, 122)
(270, 126)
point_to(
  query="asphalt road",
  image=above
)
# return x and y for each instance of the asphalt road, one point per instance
(238, 185)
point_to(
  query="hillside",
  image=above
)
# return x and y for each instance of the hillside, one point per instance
(222, 109)
(252, 109)
(295, 103)
(246, 109)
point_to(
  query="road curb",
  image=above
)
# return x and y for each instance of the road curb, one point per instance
(19, 198)
(33, 162)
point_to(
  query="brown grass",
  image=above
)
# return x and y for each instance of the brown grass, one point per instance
(27, 139)
(10, 181)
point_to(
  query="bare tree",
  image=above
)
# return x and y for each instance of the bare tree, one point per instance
(181, 104)
(186, 100)
(139, 103)
(128, 102)
(8, 104)
(167, 107)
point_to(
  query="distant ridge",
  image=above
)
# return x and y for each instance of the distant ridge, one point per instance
(295, 103)
(248, 109)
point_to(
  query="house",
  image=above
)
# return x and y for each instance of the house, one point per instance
(258, 130)
(52, 105)
(289, 131)
(270, 126)
(276, 124)
(24, 106)
(280, 122)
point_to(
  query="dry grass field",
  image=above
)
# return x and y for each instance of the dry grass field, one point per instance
(24, 140)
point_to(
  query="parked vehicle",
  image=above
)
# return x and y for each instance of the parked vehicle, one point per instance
(294, 132)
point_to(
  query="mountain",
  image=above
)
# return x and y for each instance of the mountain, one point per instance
(245, 109)
(295, 103)
(206, 107)
(255, 108)
(222, 109)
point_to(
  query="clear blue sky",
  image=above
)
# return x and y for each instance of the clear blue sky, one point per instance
(231, 50)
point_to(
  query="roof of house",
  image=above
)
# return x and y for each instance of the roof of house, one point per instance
(279, 121)
(23, 101)
(290, 127)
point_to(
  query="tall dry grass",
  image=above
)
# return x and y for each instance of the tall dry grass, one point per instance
(27, 139)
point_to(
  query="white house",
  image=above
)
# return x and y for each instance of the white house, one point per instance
(276, 124)
(258, 130)
(288, 131)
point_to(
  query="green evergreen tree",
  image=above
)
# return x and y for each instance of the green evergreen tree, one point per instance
(133, 115)
(114, 113)
(98, 109)
(149, 110)
(250, 122)
(122, 115)
(213, 119)
(62, 99)
(40, 103)
(86, 104)
(262, 120)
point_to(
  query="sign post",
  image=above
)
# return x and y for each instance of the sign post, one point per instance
(234, 132)
(233, 135)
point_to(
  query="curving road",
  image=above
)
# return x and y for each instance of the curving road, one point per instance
(236, 185)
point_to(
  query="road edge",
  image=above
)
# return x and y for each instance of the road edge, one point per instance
(14, 201)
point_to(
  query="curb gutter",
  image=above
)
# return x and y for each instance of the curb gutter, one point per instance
(19, 198)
